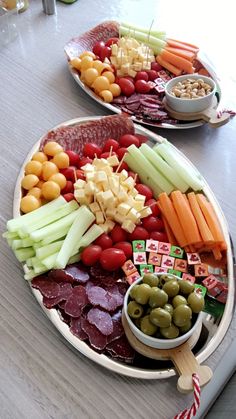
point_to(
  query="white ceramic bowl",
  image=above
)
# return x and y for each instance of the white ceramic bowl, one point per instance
(153, 341)
(189, 105)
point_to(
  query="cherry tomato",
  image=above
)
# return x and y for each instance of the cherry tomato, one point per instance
(152, 223)
(90, 149)
(112, 259)
(129, 78)
(120, 152)
(84, 161)
(105, 52)
(128, 139)
(141, 75)
(107, 154)
(69, 188)
(127, 87)
(159, 236)
(73, 157)
(97, 47)
(144, 190)
(134, 176)
(118, 234)
(91, 254)
(152, 75)
(110, 143)
(126, 247)
(141, 86)
(156, 66)
(152, 204)
(139, 233)
(111, 41)
(69, 173)
(68, 196)
(142, 138)
(104, 241)
(80, 174)
(123, 166)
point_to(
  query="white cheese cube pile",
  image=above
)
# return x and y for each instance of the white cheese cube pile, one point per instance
(111, 196)
(130, 56)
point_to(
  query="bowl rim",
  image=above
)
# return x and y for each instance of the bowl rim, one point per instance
(195, 76)
(178, 340)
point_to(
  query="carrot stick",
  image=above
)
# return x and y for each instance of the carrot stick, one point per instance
(203, 72)
(188, 55)
(168, 66)
(186, 218)
(217, 253)
(183, 45)
(169, 213)
(210, 217)
(177, 61)
(169, 232)
(199, 217)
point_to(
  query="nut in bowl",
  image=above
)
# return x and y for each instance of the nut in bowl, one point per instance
(190, 93)
(162, 310)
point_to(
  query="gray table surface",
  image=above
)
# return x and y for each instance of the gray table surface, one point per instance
(41, 376)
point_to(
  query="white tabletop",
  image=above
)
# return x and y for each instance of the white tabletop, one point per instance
(41, 376)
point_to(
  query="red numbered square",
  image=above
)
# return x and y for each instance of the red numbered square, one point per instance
(164, 248)
(139, 258)
(193, 258)
(128, 267)
(167, 262)
(154, 259)
(201, 270)
(152, 245)
(180, 265)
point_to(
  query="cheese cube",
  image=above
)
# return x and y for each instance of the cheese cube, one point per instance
(105, 185)
(140, 197)
(90, 176)
(123, 175)
(100, 176)
(130, 201)
(129, 183)
(108, 198)
(88, 168)
(132, 73)
(99, 217)
(94, 207)
(108, 170)
(110, 212)
(123, 208)
(114, 49)
(79, 184)
(119, 218)
(137, 66)
(82, 198)
(110, 224)
(105, 227)
(134, 192)
(113, 161)
(99, 197)
(89, 188)
(98, 188)
(133, 215)
(128, 226)
(79, 193)
(114, 184)
(122, 195)
(100, 163)
(145, 212)
(138, 205)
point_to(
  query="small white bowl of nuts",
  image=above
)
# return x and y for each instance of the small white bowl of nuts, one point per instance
(190, 93)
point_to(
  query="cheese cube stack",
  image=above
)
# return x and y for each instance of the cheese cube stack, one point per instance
(111, 196)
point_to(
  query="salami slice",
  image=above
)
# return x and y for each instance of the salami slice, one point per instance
(72, 273)
(97, 296)
(121, 348)
(76, 301)
(76, 329)
(118, 331)
(65, 292)
(101, 319)
(96, 339)
(46, 286)
(75, 137)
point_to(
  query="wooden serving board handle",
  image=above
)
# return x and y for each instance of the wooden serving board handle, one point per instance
(210, 116)
(186, 365)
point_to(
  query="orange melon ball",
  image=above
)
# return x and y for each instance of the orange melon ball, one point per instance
(29, 203)
(35, 192)
(52, 148)
(87, 54)
(40, 156)
(49, 169)
(98, 65)
(50, 190)
(76, 63)
(33, 167)
(29, 181)
(115, 89)
(109, 75)
(90, 76)
(60, 179)
(101, 83)
(106, 95)
(40, 184)
(86, 62)
(61, 160)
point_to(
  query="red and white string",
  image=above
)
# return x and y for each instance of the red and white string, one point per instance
(190, 413)
(220, 113)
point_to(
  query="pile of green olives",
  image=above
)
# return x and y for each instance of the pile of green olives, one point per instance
(164, 306)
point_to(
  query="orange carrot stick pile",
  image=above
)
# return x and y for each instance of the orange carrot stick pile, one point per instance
(178, 57)
(191, 222)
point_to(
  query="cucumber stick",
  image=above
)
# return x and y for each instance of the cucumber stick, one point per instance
(166, 170)
(92, 234)
(81, 223)
(143, 37)
(153, 32)
(184, 170)
(49, 249)
(24, 254)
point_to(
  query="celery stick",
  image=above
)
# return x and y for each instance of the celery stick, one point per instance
(51, 218)
(16, 223)
(144, 177)
(27, 242)
(32, 274)
(38, 267)
(153, 32)
(49, 262)
(37, 245)
(9, 235)
(142, 37)
(162, 182)
(92, 234)
(44, 251)
(24, 254)
(74, 259)
(164, 168)
(58, 225)
(55, 236)
(16, 244)
(29, 262)
(181, 166)
(81, 223)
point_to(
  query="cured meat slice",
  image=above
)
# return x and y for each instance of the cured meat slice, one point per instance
(118, 331)
(65, 292)
(76, 329)
(114, 291)
(75, 137)
(96, 339)
(121, 349)
(46, 286)
(101, 319)
(76, 301)
(72, 273)
(97, 296)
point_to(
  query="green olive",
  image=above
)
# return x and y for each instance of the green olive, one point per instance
(178, 300)
(165, 278)
(171, 288)
(196, 302)
(151, 279)
(132, 291)
(158, 297)
(170, 332)
(160, 317)
(147, 327)
(186, 327)
(142, 293)
(168, 307)
(137, 322)
(182, 314)
(186, 287)
(135, 310)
